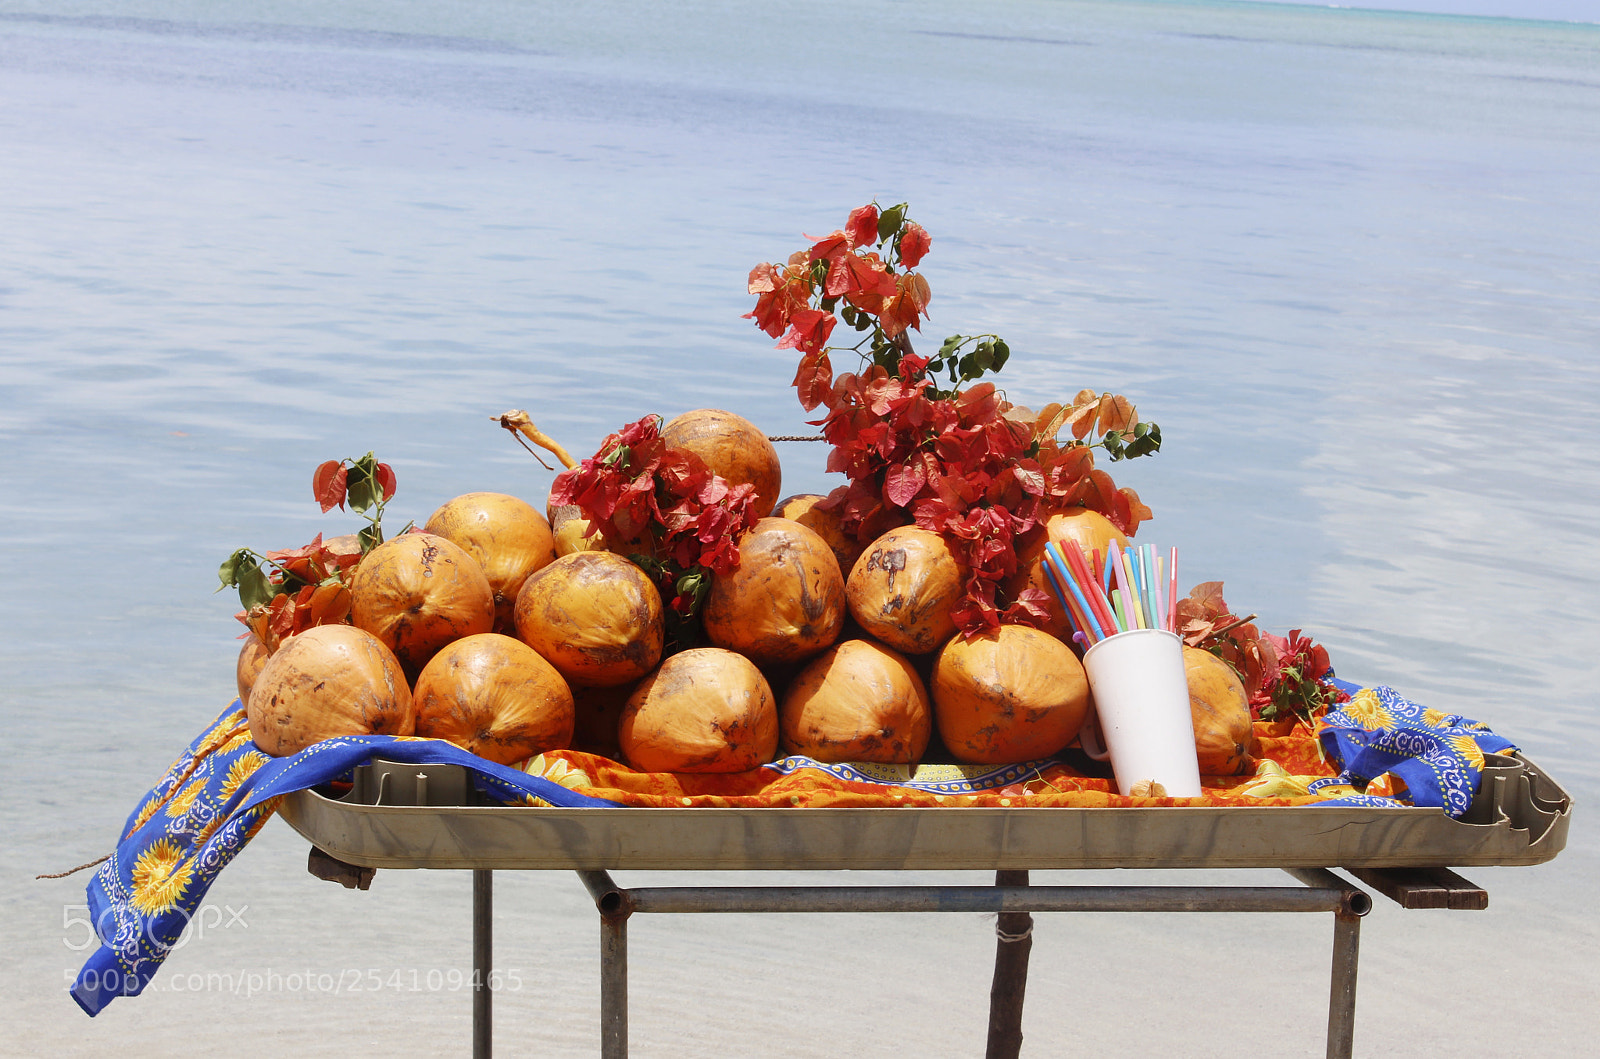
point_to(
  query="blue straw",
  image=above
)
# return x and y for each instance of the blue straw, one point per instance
(1053, 558)
(1055, 583)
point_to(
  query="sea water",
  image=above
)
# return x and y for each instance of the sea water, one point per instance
(1348, 260)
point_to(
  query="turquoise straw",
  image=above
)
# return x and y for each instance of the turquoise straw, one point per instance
(1055, 583)
(1053, 558)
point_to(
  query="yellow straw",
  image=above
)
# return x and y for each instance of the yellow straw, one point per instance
(1135, 611)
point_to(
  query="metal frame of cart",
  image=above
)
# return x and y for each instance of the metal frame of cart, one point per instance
(422, 821)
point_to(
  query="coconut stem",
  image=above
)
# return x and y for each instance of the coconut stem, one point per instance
(517, 422)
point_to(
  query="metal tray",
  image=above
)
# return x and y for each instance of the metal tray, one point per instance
(1521, 816)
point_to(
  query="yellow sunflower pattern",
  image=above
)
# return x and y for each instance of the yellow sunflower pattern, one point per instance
(214, 798)
(181, 803)
(160, 875)
(1389, 746)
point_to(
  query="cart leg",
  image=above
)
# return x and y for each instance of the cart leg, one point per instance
(613, 986)
(482, 961)
(1014, 942)
(1342, 998)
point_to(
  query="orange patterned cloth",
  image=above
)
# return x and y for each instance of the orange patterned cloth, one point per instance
(1289, 760)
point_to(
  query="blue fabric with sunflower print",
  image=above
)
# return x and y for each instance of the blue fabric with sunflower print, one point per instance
(1437, 756)
(210, 803)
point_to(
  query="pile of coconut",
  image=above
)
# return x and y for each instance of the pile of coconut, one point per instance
(512, 632)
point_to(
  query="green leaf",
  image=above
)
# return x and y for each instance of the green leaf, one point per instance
(228, 572)
(1147, 441)
(983, 356)
(950, 345)
(890, 220)
(370, 537)
(254, 588)
(362, 491)
(1002, 353)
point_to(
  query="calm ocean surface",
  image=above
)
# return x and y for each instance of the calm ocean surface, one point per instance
(1348, 261)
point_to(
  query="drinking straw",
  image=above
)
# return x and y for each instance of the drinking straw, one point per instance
(1073, 616)
(1053, 559)
(1122, 584)
(1099, 585)
(1150, 582)
(1172, 593)
(1160, 592)
(1130, 590)
(1122, 618)
(1136, 565)
(1105, 571)
(1080, 567)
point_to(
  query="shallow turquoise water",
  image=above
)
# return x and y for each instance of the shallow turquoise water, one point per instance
(1346, 259)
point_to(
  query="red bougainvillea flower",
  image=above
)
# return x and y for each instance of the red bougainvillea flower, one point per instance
(782, 293)
(963, 463)
(637, 488)
(914, 243)
(909, 302)
(862, 227)
(808, 330)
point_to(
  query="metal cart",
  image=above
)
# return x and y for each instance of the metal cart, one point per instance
(407, 816)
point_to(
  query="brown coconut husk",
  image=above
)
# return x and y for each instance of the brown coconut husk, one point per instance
(328, 681)
(1010, 695)
(508, 538)
(1090, 529)
(495, 697)
(595, 616)
(1224, 739)
(785, 602)
(417, 593)
(703, 710)
(733, 448)
(569, 531)
(802, 508)
(857, 701)
(903, 588)
(253, 655)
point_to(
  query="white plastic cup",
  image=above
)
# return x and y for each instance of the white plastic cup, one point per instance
(1141, 697)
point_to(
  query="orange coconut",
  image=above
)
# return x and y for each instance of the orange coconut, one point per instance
(595, 616)
(1223, 737)
(508, 538)
(702, 710)
(784, 603)
(1011, 695)
(252, 656)
(419, 592)
(1077, 525)
(903, 588)
(733, 448)
(569, 531)
(802, 508)
(328, 681)
(857, 701)
(495, 697)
